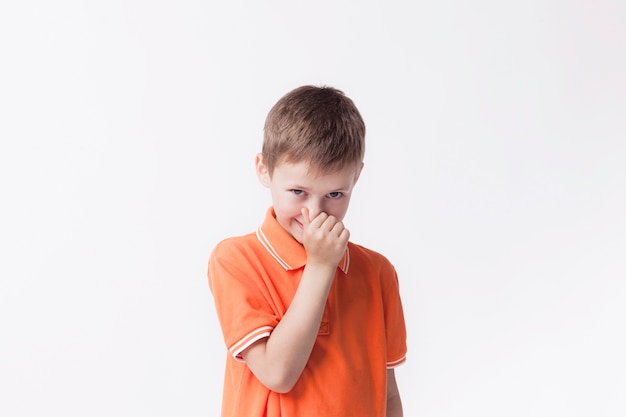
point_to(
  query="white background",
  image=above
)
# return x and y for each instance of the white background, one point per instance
(495, 181)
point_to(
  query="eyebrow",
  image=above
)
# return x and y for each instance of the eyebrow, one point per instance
(295, 186)
(298, 187)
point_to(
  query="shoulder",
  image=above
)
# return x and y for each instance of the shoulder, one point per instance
(373, 266)
(234, 246)
(362, 255)
(238, 253)
(233, 259)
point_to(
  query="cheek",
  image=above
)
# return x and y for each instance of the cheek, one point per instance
(287, 205)
(339, 208)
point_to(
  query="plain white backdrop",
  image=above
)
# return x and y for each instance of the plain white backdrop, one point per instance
(494, 180)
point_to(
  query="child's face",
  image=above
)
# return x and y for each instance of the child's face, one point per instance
(294, 187)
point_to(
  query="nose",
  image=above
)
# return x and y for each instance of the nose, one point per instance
(315, 207)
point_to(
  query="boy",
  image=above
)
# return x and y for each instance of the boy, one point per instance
(313, 323)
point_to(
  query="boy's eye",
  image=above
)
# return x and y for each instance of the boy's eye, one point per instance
(297, 192)
(335, 194)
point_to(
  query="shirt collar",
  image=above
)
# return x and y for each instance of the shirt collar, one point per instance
(287, 251)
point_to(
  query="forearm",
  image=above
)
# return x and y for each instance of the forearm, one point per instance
(394, 403)
(278, 361)
(394, 406)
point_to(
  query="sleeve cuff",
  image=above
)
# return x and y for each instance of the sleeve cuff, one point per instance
(397, 362)
(245, 342)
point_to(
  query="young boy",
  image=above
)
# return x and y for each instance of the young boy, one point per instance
(313, 322)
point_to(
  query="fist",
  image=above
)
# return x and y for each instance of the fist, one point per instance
(324, 238)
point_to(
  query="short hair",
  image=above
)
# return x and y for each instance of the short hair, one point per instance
(318, 125)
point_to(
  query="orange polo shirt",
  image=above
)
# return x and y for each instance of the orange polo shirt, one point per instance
(253, 279)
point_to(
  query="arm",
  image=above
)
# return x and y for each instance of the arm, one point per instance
(394, 404)
(278, 360)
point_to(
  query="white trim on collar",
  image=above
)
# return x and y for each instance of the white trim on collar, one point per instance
(268, 246)
(346, 261)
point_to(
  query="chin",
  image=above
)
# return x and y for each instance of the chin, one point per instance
(297, 235)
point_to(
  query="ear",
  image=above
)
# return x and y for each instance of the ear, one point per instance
(261, 171)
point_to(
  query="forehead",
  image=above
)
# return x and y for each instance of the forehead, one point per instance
(302, 173)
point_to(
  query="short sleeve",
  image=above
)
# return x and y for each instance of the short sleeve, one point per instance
(395, 327)
(243, 311)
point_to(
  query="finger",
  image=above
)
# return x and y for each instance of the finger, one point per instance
(337, 227)
(305, 216)
(333, 225)
(344, 236)
(330, 223)
(320, 220)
